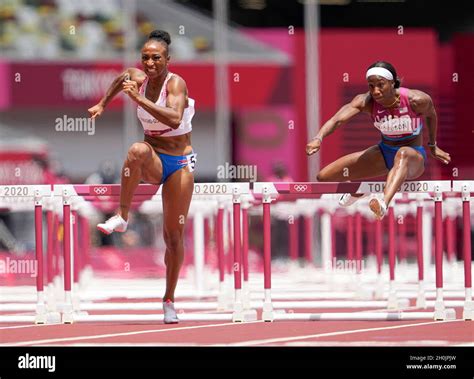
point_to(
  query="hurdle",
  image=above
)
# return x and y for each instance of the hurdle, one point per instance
(76, 197)
(147, 192)
(31, 196)
(218, 196)
(466, 188)
(272, 191)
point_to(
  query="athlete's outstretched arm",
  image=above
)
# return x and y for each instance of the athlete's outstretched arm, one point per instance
(170, 115)
(348, 111)
(423, 104)
(131, 73)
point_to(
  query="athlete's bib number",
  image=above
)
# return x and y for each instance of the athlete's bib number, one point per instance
(191, 161)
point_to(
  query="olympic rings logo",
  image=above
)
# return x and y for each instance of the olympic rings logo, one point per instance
(100, 190)
(300, 187)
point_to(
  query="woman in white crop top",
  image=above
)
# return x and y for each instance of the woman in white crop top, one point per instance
(164, 157)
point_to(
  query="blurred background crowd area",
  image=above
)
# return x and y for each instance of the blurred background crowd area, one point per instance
(86, 29)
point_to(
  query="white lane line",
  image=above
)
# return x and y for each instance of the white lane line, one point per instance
(369, 343)
(303, 337)
(164, 330)
(27, 326)
(466, 344)
(108, 344)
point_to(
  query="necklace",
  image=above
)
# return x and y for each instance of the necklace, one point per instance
(391, 105)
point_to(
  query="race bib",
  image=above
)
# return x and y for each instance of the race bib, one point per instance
(191, 161)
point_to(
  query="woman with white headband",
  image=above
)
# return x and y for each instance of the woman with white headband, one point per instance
(398, 113)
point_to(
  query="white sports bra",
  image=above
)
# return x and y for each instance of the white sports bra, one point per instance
(153, 127)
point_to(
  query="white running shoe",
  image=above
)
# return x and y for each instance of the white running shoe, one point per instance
(379, 208)
(169, 313)
(347, 199)
(113, 224)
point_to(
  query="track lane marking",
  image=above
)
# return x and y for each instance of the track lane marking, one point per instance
(296, 338)
(111, 335)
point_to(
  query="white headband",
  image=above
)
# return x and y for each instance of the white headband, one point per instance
(380, 71)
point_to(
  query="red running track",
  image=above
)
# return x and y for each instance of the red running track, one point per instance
(280, 333)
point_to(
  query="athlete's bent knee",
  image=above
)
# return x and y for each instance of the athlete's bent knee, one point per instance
(321, 177)
(138, 152)
(402, 153)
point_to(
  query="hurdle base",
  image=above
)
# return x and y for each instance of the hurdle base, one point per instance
(421, 297)
(441, 313)
(67, 318)
(392, 302)
(243, 315)
(379, 292)
(53, 318)
(468, 311)
(268, 315)
(41, 314)
(70, 317)
(448, 313)
(421, 301)
(41, 319)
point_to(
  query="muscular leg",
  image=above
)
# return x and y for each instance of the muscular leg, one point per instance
(408, 164)
(142, 163)
(177, 193)
(356, 166)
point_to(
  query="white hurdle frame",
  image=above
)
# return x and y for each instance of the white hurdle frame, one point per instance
(236, 193)
(36, 194)
(233, 191)
(466, 188)
(272, 191)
